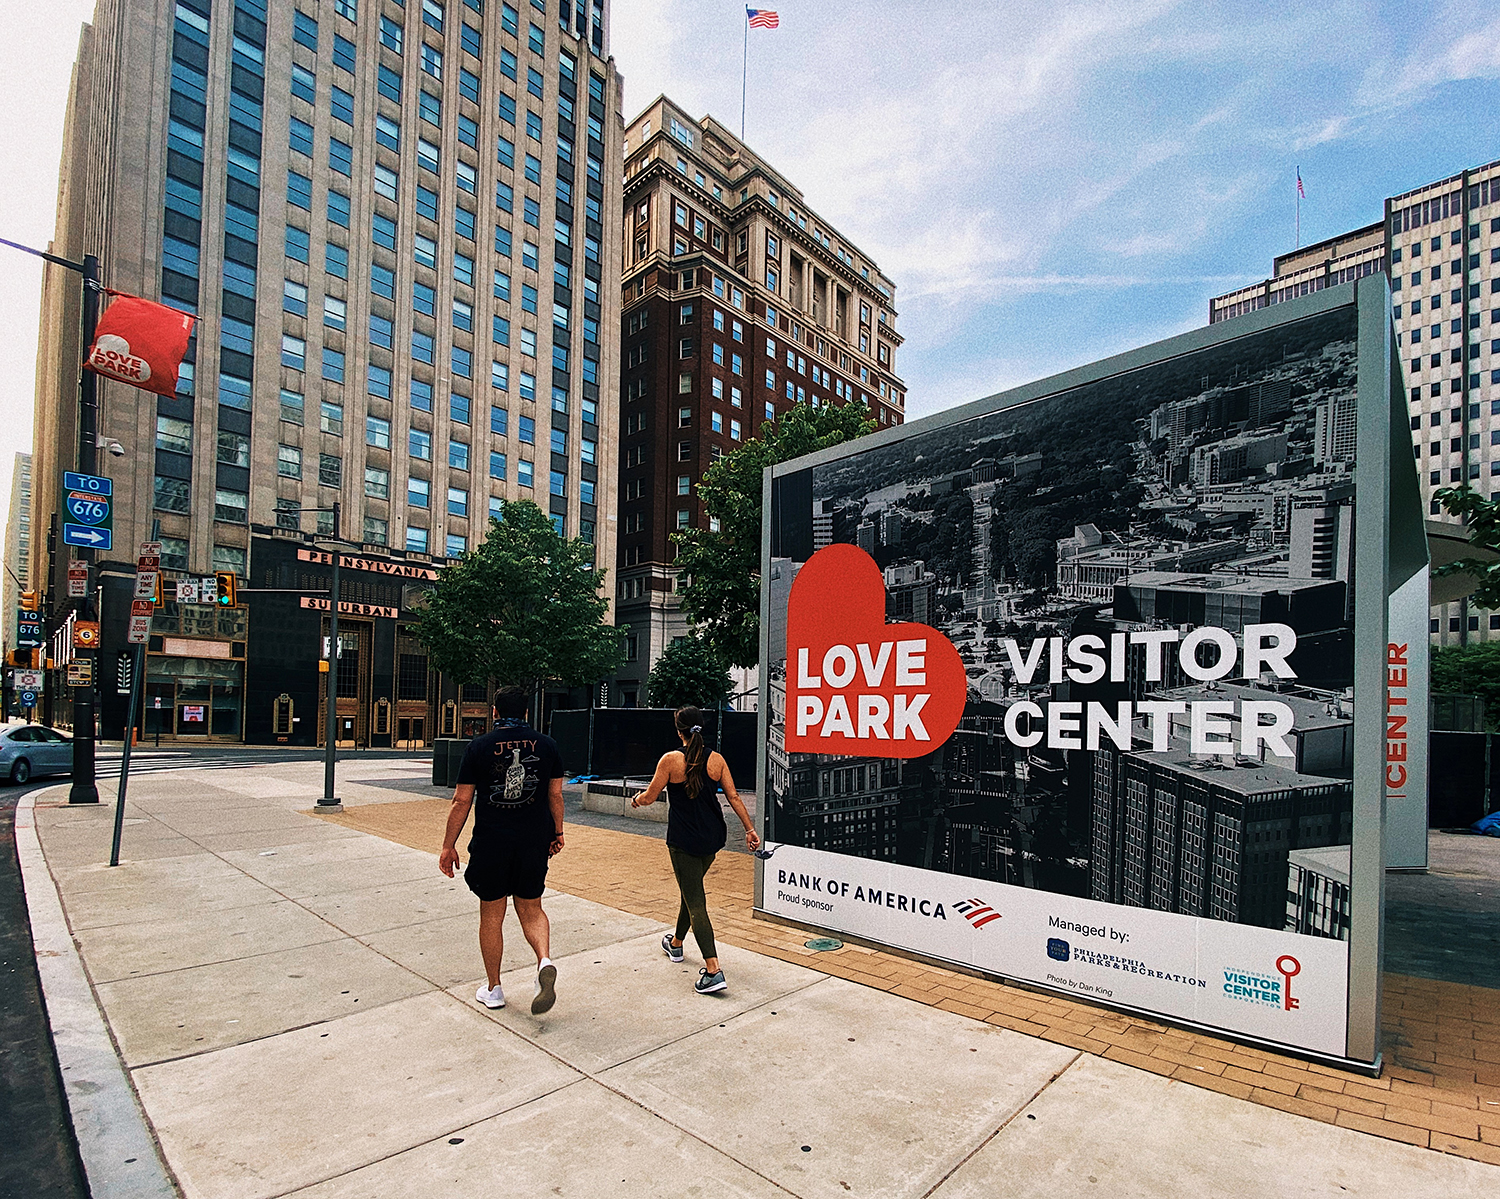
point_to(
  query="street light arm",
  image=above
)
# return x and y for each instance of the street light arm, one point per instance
(52, 258)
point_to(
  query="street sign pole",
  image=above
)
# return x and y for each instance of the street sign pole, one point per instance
(135, 691)
(147, 566)
(330, 728)
(84, 789)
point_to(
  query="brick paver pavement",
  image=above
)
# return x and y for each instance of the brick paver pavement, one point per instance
(1440, 1088)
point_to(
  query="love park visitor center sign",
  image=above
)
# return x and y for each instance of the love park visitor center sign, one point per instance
(1104, 684)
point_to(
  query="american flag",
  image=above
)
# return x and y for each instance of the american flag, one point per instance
(1301, 195)
(762, 18)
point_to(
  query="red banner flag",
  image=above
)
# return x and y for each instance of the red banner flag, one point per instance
(140, 343)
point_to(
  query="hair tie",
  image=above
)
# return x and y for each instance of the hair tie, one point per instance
(697, 728)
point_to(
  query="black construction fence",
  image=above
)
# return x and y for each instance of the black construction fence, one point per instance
(1463, 778)
(626, 742)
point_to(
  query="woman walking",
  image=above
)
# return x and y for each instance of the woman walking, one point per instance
(692, 777)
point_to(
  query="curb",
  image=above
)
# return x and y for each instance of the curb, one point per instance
(120, 1156)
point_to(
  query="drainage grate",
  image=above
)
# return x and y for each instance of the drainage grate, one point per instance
(823, 944)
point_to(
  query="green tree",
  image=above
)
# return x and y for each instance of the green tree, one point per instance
(522, 608)
(1470, 670)
(723, 596)
(1483, 519)
(689, 673)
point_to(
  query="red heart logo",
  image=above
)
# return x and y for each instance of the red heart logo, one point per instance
(855, 685)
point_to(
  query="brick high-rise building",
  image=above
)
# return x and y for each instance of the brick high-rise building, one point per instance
(397, 224)
(1440, 245)
(738, 302)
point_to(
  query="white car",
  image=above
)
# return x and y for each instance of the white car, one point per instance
(28, 749)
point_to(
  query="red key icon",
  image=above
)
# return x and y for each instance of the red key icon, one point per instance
(1288, 967)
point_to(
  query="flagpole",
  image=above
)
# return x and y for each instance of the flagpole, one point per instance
(1299, 209)
(744, 70)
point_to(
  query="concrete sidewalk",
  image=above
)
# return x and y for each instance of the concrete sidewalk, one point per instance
(292, 998)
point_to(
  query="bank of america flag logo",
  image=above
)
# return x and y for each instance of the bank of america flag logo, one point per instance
(977, 912)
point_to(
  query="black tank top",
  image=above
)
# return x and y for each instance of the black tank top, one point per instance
(695, 825)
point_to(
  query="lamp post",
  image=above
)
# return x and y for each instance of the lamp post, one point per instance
(83, 788)
(329, 802)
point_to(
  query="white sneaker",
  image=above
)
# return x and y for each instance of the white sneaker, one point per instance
(546, 988)
(491, 997)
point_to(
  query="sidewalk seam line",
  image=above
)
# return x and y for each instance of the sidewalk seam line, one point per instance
(1004, 1124)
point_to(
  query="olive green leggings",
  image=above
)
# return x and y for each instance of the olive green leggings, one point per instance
(690, 869)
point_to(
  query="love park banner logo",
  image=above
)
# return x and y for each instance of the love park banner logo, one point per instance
(856, 685)
(140, 343)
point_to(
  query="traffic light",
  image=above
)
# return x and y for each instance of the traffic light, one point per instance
(224, 584)
(30, 601)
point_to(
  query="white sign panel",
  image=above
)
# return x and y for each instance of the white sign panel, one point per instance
(1267, 983)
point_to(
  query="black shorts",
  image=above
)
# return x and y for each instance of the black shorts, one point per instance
(515, 866)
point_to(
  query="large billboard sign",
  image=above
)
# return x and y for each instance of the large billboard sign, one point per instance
(1088, 684)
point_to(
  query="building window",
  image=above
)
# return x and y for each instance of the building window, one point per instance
(378, 432)
(417, 493)
(171, 495)
(419, 444)
(231, 506)
(173, 435)
(416, 540)
(293, 352)
(376, 531)
(377, 483)
(458, 502)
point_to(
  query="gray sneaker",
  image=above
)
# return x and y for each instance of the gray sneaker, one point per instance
(708, 983)
(673, 952)
(546, 990)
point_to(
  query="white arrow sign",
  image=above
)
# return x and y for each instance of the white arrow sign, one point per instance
(91, 535)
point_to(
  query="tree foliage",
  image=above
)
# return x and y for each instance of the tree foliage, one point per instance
(689, 673)
(523, 608)
(1482, 517)
(723, 598)
(1470, 670)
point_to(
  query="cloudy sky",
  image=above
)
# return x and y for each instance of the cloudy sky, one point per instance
(1046, 183)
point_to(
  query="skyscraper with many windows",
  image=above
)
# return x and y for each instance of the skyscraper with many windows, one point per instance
(1440, 245)
(17, 546)
(738, 303)
(389, 219)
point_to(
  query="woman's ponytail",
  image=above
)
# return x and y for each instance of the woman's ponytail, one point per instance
(689, 723)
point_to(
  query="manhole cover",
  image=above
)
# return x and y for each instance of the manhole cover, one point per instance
(823, 944)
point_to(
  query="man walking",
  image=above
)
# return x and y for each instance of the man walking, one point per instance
(515, 775)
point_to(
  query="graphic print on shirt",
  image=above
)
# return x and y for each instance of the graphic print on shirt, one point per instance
(515, 777)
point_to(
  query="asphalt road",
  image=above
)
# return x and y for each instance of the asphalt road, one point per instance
(41, 1158)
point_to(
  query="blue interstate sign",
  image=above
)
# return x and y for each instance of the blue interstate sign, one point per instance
(93, 484)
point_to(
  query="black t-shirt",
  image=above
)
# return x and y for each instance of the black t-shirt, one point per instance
(511, 770)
